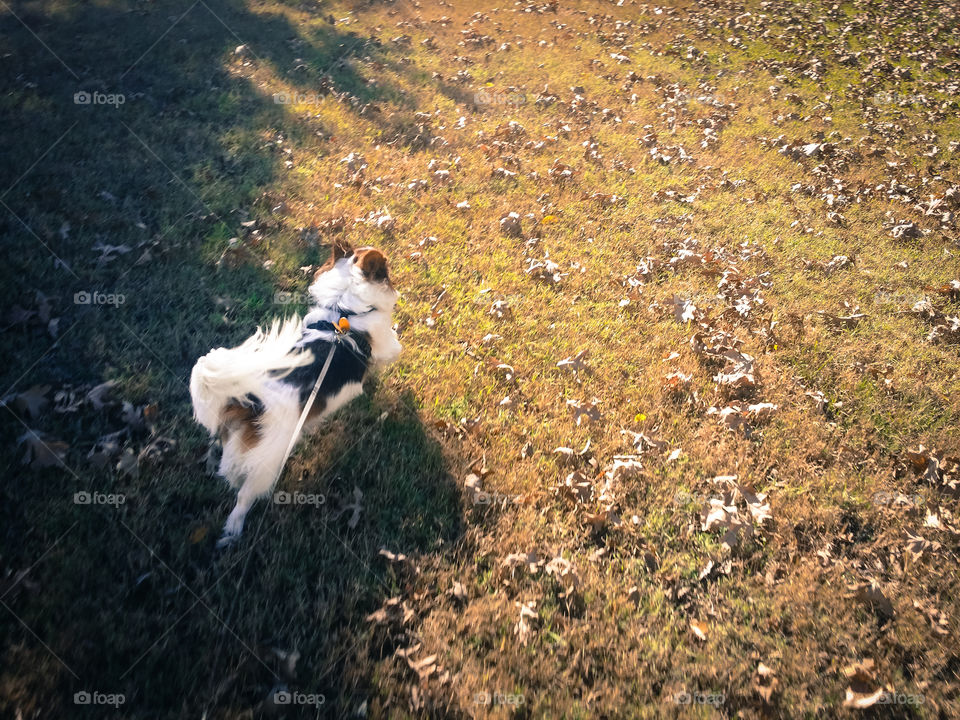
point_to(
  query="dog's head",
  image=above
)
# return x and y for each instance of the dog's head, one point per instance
(356, 284)
(356, 280)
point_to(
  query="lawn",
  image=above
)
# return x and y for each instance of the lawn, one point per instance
(676, 427)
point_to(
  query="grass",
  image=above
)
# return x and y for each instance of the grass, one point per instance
(218, 196)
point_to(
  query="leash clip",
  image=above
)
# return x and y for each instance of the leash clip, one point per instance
(343, 326)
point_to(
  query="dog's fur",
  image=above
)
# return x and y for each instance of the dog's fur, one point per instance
(252, 396)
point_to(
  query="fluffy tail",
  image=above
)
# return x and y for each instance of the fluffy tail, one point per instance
(228, 374)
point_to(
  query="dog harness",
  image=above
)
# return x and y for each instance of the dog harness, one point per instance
(339, 368)
(321, 336)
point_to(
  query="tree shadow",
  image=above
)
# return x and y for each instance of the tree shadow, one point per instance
(139, 198)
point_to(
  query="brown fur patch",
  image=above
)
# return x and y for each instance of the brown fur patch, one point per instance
(373, 264)
(319, 405)
(339, 249)
(239, 418)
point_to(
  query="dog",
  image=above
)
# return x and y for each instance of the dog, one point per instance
(251, 397)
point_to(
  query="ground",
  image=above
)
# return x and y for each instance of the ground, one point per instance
(675, 428)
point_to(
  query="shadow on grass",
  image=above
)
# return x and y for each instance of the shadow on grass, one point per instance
(135, 599)
(137, 199)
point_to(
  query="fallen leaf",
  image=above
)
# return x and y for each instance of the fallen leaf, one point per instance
(32, 401)
(871, 594)
(584, 410)
(42, 451)
(863, 691)
(528, 619)
(198, 534)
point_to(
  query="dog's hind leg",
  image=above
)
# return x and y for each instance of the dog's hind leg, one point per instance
(231, 459)
(239, 433)
(234, 525)
(257, 483)
(261, 460)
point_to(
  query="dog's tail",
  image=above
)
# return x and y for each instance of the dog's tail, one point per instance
(227, 374)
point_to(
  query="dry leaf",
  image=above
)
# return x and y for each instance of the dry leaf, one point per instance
(528, 620)
(863, 691)
(42, 451)
(872, 595)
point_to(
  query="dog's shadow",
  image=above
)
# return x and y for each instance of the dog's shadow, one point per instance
(373, 477)
(375, 453)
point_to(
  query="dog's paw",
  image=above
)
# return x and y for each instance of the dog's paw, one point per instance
(232, 529)
(226, 541)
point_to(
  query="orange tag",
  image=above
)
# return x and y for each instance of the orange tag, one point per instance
(343, 325)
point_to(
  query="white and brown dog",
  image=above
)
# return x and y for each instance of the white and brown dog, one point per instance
(252, 396)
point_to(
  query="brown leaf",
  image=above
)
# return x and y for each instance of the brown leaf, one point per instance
(699, 630)
(575, 363)
(863, 691)
(198, 534)
(423, 667)
(42, 452)
(393, 611)
(576, 487)
(871, 594)
(32, 402)
(99, 396)
(510, 225)
(915, 546)
(528, 620)
(765, 682)
(582, 410)
(602, 519)
(458, 592)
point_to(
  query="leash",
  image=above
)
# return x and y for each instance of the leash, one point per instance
(342, 327)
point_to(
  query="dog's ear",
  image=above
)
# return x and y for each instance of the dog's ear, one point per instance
(373, 264)
(338, 250)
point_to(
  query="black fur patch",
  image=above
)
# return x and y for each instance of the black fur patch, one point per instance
(349, 364)
(254, 403)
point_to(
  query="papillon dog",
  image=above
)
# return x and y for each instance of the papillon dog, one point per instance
(252, 397)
